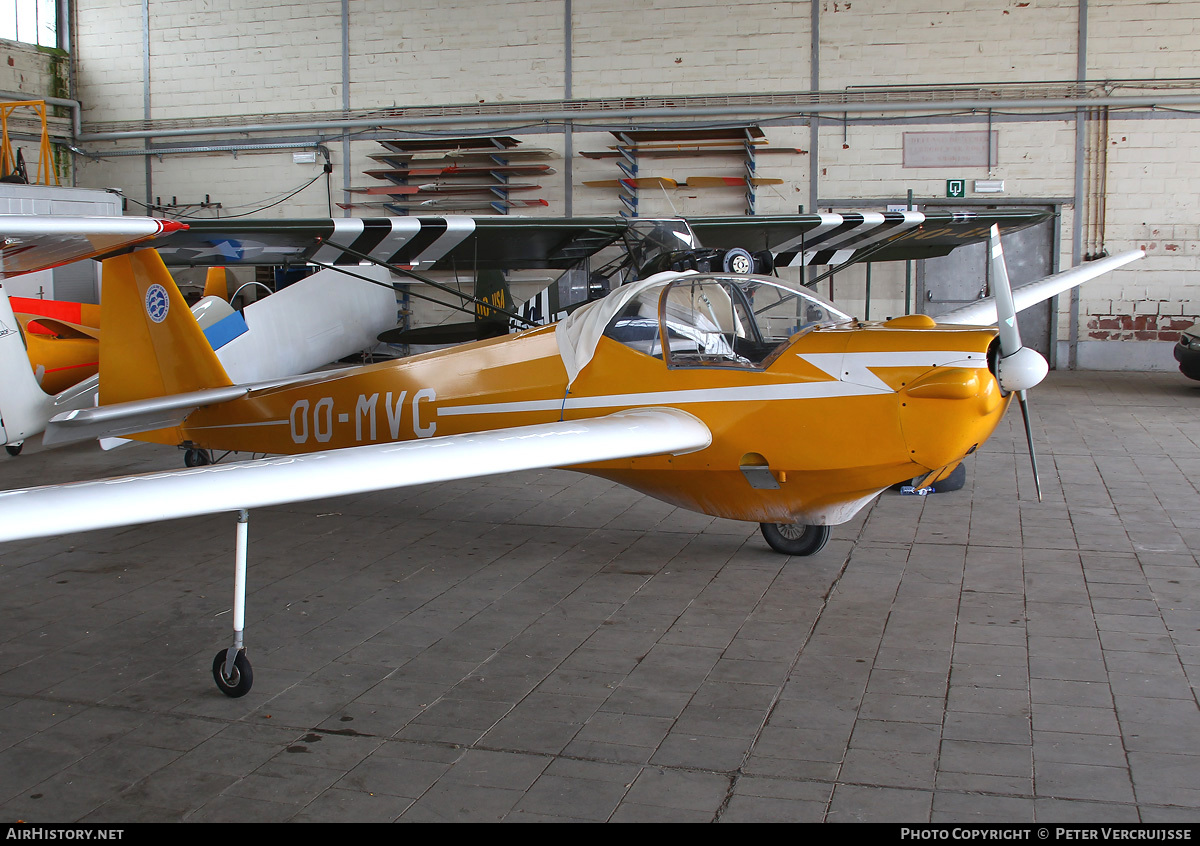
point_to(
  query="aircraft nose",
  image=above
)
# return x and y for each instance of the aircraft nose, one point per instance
(1022, 370)
(947, 412)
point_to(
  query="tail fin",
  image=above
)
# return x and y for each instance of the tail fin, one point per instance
(216, 284)
(152, 345)
(24, 406)
(492, 300)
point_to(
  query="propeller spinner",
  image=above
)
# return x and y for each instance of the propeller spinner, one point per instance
(1018, 367)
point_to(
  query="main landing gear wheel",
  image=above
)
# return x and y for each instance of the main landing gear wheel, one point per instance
(953, 482)
(795, 538)
(196, 458)
(738, 260)
(240, 678)
(14, 449)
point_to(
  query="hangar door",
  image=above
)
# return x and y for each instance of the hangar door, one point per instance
(949, 282)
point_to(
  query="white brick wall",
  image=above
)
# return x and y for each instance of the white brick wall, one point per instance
(938, 42)
(25, 71)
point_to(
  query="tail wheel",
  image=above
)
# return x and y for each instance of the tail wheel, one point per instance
(795, 538)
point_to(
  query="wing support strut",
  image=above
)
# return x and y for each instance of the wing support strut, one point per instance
(403, 271)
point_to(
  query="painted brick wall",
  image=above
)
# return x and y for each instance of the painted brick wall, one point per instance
(27, 71)
(940, 42)
(1137, 40)
(455, 51)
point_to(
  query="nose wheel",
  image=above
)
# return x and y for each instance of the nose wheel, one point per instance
(795, 538)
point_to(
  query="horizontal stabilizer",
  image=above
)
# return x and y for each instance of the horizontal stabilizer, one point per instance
(983, 312)
(128, 418)
(147, 498)
(80, 419)
(60, 328)
(444, 333)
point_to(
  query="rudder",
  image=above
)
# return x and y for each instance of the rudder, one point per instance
(151, 345)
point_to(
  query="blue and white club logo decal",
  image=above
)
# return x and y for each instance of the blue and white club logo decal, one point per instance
(157, 303)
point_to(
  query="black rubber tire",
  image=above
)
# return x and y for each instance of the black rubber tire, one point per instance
(738, 260)
(795, 538)
(196, 458)
(243, 676)
(14, 449)
(953, 482)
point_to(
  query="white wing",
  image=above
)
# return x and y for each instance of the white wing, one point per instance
(983, 312)
(30, 242)
(128, 500)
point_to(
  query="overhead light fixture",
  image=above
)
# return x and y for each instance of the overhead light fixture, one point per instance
(989, 186)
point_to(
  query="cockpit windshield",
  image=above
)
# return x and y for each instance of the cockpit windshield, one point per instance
(711, 320)
(648, 241)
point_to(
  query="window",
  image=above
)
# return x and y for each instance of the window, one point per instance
(705, 323)
(30, 21)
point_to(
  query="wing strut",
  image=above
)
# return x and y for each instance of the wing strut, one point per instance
(403, 271)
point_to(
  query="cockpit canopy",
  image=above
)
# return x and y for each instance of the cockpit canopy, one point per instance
(711, 320)
(697, 320)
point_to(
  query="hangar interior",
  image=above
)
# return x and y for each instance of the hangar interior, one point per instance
(537, 647)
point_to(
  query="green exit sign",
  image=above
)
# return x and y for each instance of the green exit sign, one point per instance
(956, 187)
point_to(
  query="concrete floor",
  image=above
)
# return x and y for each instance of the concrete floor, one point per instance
(547, 646)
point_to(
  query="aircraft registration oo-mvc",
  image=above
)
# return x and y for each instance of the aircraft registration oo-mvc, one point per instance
(732, 394)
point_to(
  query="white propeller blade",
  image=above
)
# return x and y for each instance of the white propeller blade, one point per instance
(1018, 367)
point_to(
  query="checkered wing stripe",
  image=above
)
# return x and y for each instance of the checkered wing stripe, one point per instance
(409, 241)
(840, 237)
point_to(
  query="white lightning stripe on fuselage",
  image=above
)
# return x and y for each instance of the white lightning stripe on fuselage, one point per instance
(851, 376)
(856, 367)
(751, 393)
(243, 425)
(850, 373)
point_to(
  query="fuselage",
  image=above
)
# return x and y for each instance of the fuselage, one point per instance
(833, 416)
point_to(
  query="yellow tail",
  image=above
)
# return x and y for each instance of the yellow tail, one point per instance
(216, 284)
(151, 345)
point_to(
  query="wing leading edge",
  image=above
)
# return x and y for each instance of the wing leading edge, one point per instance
(983, 312)
(490, 242)
(151, 497)
(33, 242)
